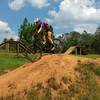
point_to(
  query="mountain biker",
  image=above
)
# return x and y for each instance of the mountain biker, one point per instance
(37, 25)
(48, 33)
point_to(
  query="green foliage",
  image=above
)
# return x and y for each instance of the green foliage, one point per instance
(89, 42)
(96, 43)
(71, 39)
(86, 40)
(25, 32)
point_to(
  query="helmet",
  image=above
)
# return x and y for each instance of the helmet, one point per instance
(36, 20)
(46, 21)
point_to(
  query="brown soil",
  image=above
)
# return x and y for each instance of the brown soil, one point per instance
(30, 74)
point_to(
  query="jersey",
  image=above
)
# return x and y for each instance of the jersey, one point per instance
(47, 27)
(37, 26)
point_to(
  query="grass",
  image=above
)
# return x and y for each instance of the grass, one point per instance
(85, 87)
(97, 71)
(91, 56)
(52, 83)
(65, 79)
(9, 61)
(91, 89)
(36, 93)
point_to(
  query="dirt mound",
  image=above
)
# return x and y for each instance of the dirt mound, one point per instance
(30, 74)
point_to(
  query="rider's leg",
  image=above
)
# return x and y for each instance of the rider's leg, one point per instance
(49, 37)
(44, 39)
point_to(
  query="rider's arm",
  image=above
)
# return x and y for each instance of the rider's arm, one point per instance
(41, 27)
(40, 30)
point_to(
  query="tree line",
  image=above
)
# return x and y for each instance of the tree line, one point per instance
(88, 41)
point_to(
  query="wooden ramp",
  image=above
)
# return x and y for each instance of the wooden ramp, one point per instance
(77, 49)
(70, 50)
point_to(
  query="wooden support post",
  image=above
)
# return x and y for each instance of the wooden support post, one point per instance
(26, 52)
(76, 51)
(80, 51)
(17, 49)
(7, 47)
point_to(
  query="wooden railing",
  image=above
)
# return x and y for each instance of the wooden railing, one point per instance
(19, 45)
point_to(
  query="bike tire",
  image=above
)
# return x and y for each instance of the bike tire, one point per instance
(58, 46)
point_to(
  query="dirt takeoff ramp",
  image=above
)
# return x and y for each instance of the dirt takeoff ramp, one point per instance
(21, 79)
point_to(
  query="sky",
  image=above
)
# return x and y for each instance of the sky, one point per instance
(63, 15)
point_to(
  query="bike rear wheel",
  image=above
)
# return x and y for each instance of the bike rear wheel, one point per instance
(58, 46)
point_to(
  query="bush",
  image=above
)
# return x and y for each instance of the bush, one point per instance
(53, 83)
(46, 95)
(65, 79)
(97, 71)
(63, 95)
(33, 94)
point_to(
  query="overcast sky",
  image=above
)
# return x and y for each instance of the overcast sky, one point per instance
(63, 15)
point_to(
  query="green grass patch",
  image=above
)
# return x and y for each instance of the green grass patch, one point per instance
(91, 55)
(91, 88)
(10, 61)
(97, 71)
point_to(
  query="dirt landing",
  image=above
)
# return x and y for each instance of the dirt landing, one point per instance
(30, 74)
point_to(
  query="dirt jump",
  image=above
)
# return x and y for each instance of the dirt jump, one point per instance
(55, 65)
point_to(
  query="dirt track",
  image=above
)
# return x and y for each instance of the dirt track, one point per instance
(32, 73)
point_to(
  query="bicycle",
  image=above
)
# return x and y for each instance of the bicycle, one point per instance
(40, 47)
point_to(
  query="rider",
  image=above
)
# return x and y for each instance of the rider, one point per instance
(37, 25)
(48, 32)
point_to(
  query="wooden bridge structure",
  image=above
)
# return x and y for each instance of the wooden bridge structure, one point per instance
(19, 45)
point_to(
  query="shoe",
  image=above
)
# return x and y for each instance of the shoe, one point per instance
(44, 42)
(53, 48)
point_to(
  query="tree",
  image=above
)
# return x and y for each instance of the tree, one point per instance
(70, 39)
(96, 42)
(25, 32)
(5, 39)
(86, 40)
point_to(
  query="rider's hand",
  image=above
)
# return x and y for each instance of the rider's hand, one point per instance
(44, 42)
(52, 42)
